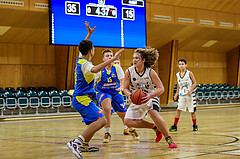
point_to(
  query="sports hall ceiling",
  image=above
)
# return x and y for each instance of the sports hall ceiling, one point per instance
(31, 27)
(230, 6)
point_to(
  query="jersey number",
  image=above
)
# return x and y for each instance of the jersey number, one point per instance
(109, 79)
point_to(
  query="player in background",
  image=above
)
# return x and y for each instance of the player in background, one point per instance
(142, 76)
(109, 93)
(185, 91)
(117, 62)
(84, 93)
(126, 129)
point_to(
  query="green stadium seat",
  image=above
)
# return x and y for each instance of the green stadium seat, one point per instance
(21, 89)
(206, 93)
(32, 89)
(44, 99)
(11, 101)
(42, 89)
(33, 99)
(22, 99)
(2, 90)
(55, 98)
(52, 89)
(231, 92)
(199, 94)
(10, 89)
(66, 98)
(212, 93)
(236, 93)
(2, 101)
(225, 93)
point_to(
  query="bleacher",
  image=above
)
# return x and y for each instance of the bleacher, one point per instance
(216, 94)
(34, 101)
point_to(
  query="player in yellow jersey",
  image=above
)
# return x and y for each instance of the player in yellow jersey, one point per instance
(84, 93)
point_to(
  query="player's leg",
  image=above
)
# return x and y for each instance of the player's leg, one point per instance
(133, 118)
(105, 100)
(95, 120)
(181, 107)
(119, 107)
(192, 109)
(106, 105)
(161, 125)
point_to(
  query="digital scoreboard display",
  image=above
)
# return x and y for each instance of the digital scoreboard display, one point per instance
(119, 23)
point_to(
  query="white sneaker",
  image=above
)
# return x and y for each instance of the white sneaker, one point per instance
(107, 138)
(75, 148)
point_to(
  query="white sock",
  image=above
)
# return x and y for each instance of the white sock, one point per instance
(125, 127)
(80, 139)
(107, 130)
(131, 129)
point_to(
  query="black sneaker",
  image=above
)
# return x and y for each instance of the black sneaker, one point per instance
(173, 128)
(195, 127)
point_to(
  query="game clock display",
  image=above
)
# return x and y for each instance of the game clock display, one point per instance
(119, 23)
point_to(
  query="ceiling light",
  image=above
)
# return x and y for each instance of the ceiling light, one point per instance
(209, 43)
(4, 29)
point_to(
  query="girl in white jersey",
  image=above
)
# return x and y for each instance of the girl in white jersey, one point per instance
(141, 76)
(185, 91)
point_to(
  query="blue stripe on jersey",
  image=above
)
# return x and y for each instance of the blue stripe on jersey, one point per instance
(108, 81)
(84, 84)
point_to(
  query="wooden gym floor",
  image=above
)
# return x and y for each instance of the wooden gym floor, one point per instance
(46, 138)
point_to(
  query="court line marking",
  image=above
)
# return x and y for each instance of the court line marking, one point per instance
(134, 147)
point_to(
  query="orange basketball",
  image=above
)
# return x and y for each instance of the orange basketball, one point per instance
(136, 96)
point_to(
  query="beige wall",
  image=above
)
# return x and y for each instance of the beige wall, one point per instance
(212, 66)
(23, 65)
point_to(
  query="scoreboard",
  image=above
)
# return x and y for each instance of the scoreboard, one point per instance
(119, 23)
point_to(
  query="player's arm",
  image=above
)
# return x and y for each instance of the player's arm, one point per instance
(126, 85)
(90, 31)
(101, 66)
(176, 94)
(194, 83)
(159, 87)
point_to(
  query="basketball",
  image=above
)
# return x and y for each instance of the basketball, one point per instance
(136, 96)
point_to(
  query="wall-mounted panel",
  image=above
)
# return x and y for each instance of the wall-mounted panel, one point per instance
(206, 18)
(162, 13)
(185, 15)
(39, 5)
(226, 20)
(14, 4)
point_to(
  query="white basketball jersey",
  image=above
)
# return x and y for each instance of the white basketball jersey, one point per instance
(185, 83)
(142, 82)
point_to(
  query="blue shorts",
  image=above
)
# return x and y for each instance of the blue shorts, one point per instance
(118, 103)
(87, 108)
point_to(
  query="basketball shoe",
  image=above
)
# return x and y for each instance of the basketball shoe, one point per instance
(134, 135)
(86, 148)
(75, 148)
(173, 128)
(159, 136)
(126, 132)
(170, 142)
(107, 138)
(195, 127)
